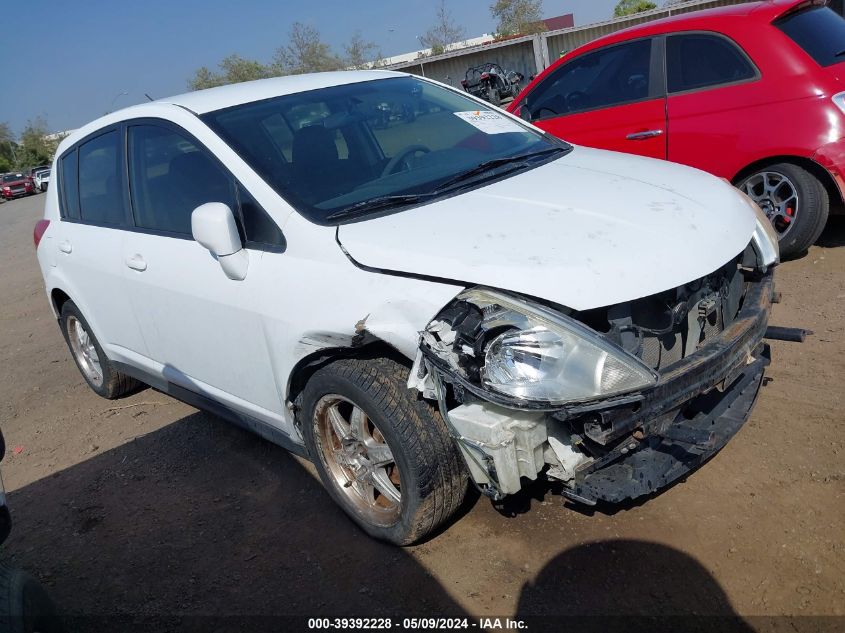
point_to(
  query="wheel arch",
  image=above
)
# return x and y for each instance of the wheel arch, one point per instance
(58, 298)
(823, 175)
(374, 347)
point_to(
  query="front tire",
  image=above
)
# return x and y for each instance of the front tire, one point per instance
(795, 202)
(99, 372)
(384, 455)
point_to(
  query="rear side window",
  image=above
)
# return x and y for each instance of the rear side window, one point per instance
(100, 184)
(699, 60)
(608, 77)
(69, 170)
(819, 31)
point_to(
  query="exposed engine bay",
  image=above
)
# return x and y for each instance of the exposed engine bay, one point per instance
(614, 402)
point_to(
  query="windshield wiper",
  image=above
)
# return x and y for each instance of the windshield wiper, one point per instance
(520, 161)
(397, 200)
(374, 204)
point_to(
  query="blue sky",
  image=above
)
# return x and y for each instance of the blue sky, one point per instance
(72, 60)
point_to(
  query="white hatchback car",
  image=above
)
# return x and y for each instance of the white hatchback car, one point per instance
(380, 273)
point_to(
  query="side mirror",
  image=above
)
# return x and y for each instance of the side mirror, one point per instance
(213, 227)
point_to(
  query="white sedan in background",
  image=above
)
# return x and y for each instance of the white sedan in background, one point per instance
(42, 180)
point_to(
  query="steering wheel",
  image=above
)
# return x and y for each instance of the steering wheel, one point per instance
(401, 156)
(575, 100)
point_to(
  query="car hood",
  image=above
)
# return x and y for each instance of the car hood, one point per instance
(590, 229)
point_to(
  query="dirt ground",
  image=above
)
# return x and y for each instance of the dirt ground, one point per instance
(148, 508)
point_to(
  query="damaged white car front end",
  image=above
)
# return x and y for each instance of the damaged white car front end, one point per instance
(614, 411)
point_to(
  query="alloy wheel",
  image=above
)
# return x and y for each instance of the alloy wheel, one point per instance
(357, 457)
(777, 196)
(82, 346)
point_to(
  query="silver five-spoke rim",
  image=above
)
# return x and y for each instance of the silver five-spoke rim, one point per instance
(82, 346)
(358, 459)
(777, 196)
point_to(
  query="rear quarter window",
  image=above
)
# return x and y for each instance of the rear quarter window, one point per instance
(702, 60)
(819, 31)
(69, 184)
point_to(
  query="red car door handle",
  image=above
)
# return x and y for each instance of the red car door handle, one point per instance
(641, 136)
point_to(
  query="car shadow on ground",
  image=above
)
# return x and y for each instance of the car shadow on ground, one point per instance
(834, 233)
(202, 526)
(201, 517)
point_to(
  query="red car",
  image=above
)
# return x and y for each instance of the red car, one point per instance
(753, 92)
(16, 184)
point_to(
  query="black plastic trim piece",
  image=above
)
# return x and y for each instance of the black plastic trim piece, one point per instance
(259, 427)
(640, 467)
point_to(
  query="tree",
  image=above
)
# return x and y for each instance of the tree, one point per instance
(8, 148)
(233, 69)
(443, 33)
(630, 7)
(360, 53)
(518, 17)
(305, 53)
(34, 148)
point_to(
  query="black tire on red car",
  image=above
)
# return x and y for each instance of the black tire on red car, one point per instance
(795, 201)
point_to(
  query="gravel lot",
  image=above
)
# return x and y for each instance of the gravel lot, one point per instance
(148, 508)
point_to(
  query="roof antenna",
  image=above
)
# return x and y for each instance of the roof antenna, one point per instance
(148, 97)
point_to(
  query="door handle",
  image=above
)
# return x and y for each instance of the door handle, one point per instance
(136, 262)
(66, 247)
(641, 136)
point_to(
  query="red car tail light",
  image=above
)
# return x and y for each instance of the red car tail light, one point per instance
(40, 229)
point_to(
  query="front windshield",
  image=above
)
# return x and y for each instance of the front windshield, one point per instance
(357, 146)
(12, 177)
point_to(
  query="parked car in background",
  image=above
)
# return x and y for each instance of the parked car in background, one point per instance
(42, 179)
(453, 296)
(34, 170)
(15, 185)
(722, 103)
(491, 83)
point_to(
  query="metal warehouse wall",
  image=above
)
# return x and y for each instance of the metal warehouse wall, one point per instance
(531, 54)
(517, 54)
(563, 41)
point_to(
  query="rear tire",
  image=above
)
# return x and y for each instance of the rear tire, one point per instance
(426, 469)
(25, 606)
(811, 208)
(99, 372)
(493, 96)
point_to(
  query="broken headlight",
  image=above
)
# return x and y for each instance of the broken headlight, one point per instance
(531, 353)
(764, 238)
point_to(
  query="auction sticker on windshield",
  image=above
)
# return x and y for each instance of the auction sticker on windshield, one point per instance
(489, 122)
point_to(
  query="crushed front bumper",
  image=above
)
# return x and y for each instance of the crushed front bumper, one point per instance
(698, 404)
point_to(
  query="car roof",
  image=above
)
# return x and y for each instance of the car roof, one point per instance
(211, 99)
(764, 12)
(202, 101)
